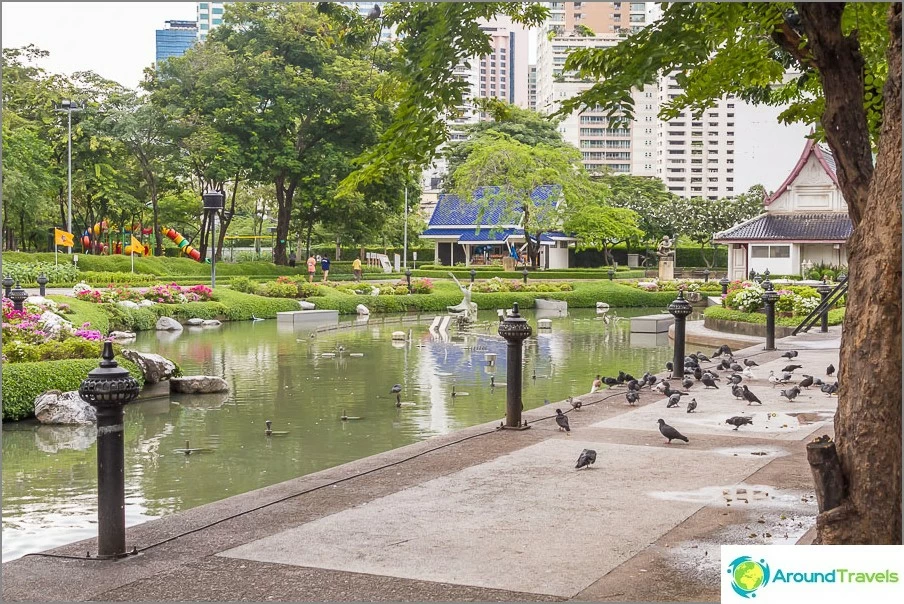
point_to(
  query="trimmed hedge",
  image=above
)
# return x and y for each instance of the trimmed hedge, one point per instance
(836, 316)
(85, 312)
(564, 274)
(24, 382)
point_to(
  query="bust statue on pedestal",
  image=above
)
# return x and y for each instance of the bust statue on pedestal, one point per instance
(666, 259)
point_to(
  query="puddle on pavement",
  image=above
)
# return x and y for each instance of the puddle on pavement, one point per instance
(743, 495)
(752, 451)
(807, 418)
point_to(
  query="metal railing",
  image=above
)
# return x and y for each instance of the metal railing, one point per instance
(824, 306)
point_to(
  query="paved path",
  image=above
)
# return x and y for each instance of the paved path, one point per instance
(495, 516)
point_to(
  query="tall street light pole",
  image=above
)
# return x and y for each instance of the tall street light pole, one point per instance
(405, 242)
(69, 106)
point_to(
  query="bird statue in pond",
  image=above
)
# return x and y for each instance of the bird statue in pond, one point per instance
(670, 433)
(271, 432)
(738, 421)
(586, 459)
(562, 421)
(396, 389)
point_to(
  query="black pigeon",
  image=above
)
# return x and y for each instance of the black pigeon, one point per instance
(790, 393)
(725, 364)
(817, 382)
(702, 357)
(588, 456)
(396, 389)
(690, 361)
(708, 382)
(723, 349)
(668, 390)
(670, 432)
(698, 373)
(792, 367)
(562, 420)
(737, 391)
(751, 363)
(630, 378)
(736, 367)
(610, 381)
(806, 382)
(750, 396)
(687, 382)
(790, 354)
(734, 378)
(830, 370)
(670, 367)
(673, 401)
(829, 388)
(374, 13)
(632, 397)
(712, 376)
(691, 406)
(739, 420)
(634, 385)
(652, 380)
(621, 377)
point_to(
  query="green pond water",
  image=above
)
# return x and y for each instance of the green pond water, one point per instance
(281, 374)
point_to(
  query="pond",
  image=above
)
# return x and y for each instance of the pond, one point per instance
(291, 378)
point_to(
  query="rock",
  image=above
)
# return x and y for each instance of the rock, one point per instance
(195, 322)
(362, 310)
(198, 384)
(128, 304)
(55, 407)
(168, 324)
(154, 367)
(146, 303)
(211, 323)
(53, 323)
(375, 291)
(122, 336)
(51, 439)
(305, 305)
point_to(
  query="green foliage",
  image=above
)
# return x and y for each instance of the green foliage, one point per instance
(600, 227)
(273, 289)
(27, 273)
(71, 348)
(244, 285)
(238, 306)
(24, 382)
(589, 274)
(836, 316)
(85, 312)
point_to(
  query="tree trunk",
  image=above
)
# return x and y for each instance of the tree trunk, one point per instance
(338, 249)
(158, 236)
(283, 214)
(868, 420)
(308, 243)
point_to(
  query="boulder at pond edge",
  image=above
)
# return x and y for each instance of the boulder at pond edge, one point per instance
(55, 407)
(154, 367)
(168, 324)
(198, 384)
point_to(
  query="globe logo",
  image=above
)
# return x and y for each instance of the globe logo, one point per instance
(748, 575)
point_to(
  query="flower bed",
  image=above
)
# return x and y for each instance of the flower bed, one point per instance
(688, 285)
(793, 300)
(160, 294)
(41, 332)
(499, 285)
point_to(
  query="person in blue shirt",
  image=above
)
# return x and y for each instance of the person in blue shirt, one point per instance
(325, 267)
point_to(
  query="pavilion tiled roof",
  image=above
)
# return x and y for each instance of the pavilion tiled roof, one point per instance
(828, 227)
(451, 210)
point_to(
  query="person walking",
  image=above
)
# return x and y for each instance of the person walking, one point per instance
(356, 268)
(311, 265)
(325, 267)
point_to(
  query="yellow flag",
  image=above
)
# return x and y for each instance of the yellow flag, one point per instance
(63, 238)
(137, 246)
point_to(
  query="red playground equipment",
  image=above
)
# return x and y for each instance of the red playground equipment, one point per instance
(182, 242)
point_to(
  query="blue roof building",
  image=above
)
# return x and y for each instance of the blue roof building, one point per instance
(480, 232)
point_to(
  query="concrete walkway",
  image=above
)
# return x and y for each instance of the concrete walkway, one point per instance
(495, 516)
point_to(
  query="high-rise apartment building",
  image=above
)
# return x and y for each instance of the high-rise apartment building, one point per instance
(210, 15)
(175, 38)
(600, 17)
(532, 87)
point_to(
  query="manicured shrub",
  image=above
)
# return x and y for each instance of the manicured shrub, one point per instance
(244, 285)
(273, 289)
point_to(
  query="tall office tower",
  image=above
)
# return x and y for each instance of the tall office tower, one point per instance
(210, 15)
(696, 157)
(621, 148)
(532, 87)
(601, 17)
(175, 38)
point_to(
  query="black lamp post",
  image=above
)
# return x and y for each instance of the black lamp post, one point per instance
(524, 275)
(706, 275)
(770, 296)
(824, 290)
(724, 282)
(473, 274)
(766, 274)
(107, 389)
(213, 204)
(611, 273)
(514, 329)
(42, 284)
(680, 309)
(408, 278)
(752, 275)
(18, 296)
(7, 285)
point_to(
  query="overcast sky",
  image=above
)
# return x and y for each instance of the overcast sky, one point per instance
(115, 39)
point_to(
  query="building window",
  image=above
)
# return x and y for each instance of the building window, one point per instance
(770, 251)
(217, 21)
(203, 5)
(216, 11)
(205, 26)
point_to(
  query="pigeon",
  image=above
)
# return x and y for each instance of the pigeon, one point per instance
(739, 420)
(747, 373)
(792, 367)
(634, 385)
(667, 390)
(588, 457)
(829, 388)
(698, 373)
(734, 378)
(750, 363)
(817, 381)
(691, 406)
(736, 367)
(790, 354)
(396, 389)
(786, 377)
(687, 382)
(562, 420)
(773, 379)
(712, 376)
(750, 396)
(791, 393)
(374, 13)
(670, 367)
(708, 382)
(620, 378)
(806, 382)
(632, 397)
(673, 401)
(702, 357)
(737, 391)
(723, 349)
(725, 364)
(629, 378)
(610, 381)
(652, 380)
(575, 404)
(670, 432)
(830, 370)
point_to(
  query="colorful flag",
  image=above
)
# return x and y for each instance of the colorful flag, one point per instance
(137, 246)
(63, 238)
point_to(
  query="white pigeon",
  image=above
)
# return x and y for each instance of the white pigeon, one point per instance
(747, 373)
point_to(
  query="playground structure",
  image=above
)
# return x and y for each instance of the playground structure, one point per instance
(182, 242)
(102, 238)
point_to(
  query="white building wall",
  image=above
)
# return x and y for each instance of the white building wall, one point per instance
(812, 191)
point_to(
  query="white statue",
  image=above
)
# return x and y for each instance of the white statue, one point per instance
(465, 309)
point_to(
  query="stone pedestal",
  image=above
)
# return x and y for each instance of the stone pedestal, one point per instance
(666, 270)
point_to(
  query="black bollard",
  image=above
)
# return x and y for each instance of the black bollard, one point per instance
(524, 275)
(724, 282)
(706, 275)
(7, 285)
(408, 278)
(42, 284)
(769, 298)
(514, 329)
(107, 389)
(473, 274)
(824, 290)
(18, 296)
(611, 273)
(680, 309)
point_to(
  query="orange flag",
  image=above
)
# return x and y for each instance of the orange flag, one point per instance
(63, 238)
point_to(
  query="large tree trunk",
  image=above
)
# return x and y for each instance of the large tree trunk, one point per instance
(868, 420)
(283, 214)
